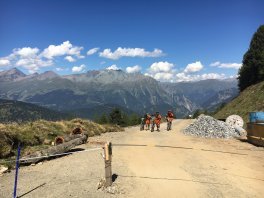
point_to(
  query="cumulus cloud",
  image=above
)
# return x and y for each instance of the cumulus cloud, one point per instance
(80, 68)
(4, 62)
(92, 51)
(133, 69)
(179, 77)
(26, 52)
(163, 76)
(66, 48)
(129, 52)
(33, 59)
(69, 58)
(193, 67)
(226, 65)
(33, 64)
(163, 71)
(161, 67)
(113, 67)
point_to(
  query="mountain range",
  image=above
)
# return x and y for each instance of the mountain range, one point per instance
(95, 91)
(16, 111)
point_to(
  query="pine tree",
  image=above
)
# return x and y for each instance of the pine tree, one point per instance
(103, 119)
(252, 70)
(115, 116)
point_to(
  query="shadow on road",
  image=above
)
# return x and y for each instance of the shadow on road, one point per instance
(32, 190)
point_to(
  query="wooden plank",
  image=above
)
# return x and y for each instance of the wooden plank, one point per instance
(256, 140)
(254, 129)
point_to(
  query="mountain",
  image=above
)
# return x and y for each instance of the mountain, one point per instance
(16, 111)
(96, 111)
(205, 94)
(95, 89)
(131, 91)
(11, 75)
(220, 98)
(249, 100)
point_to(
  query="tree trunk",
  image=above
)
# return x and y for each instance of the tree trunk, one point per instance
(59, 149)
(62, 139)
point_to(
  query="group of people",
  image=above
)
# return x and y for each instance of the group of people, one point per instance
(154, 120)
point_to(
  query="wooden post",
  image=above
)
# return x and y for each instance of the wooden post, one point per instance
(108, 163)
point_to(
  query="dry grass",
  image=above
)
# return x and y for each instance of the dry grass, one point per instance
(34, 135)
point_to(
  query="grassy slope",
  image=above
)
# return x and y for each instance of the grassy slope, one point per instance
(34, 135)
(251, 99)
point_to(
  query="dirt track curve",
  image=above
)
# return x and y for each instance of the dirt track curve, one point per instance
(158, 164)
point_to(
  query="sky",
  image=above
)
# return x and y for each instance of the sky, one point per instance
(171, 41)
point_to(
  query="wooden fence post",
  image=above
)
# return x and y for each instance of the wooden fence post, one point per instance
(108, 163)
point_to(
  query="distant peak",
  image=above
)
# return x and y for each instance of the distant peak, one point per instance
(14, 71)
(47, 75)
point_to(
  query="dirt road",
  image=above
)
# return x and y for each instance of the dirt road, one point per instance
(158, 164)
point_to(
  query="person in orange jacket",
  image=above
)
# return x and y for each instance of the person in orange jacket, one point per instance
(148, 120)
(156, 122)
(169, 118)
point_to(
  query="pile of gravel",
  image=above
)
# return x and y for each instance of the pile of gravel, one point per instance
(207, 126)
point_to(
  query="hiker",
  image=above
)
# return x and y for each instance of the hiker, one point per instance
(169, 117)
(156, 122)
(143, 121)
(148, 120)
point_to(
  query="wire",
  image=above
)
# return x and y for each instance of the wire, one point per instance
(47, 156)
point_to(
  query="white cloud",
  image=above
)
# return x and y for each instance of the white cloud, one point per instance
(187, 77)
(194, 67)
(226, 65)
(4, 62)
(26, 52)
(80, 68)
(33, 59)
(69, 58)
(214, 64)
(161, 67)
(230, 65)
(163, 76)
(163, 71)
(33, 64)
(113, 67)
(92, 51)
(66, 48)
(129, 52)
(133, 69)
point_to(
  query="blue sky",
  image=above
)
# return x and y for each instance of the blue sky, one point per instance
(169, 40)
